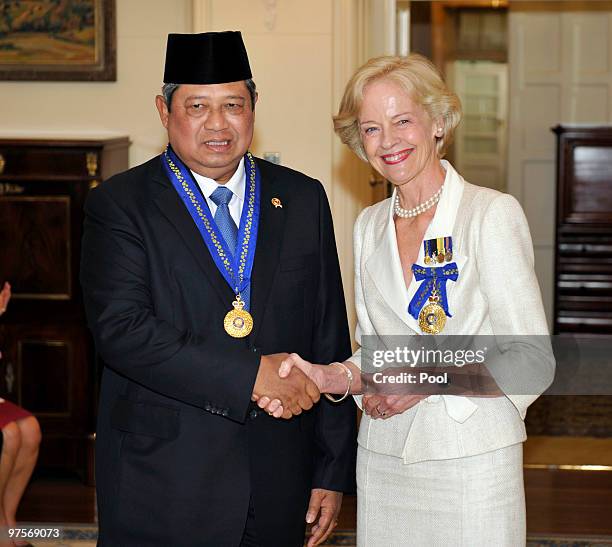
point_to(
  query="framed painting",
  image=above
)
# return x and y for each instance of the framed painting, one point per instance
(57, 40)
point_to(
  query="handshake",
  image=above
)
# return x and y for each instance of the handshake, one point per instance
(284, 391)
(287, 384)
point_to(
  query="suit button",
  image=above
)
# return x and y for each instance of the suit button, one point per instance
(253, 414)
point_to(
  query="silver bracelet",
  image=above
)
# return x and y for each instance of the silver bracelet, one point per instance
(349, 375)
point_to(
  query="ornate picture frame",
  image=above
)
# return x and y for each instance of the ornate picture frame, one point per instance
(49, 40)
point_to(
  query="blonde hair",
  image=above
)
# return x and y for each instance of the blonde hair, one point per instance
(419, 78)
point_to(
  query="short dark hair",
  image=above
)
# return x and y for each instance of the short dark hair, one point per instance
(169, 89)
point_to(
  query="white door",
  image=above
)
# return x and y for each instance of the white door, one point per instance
(560, 72)
(480, 140)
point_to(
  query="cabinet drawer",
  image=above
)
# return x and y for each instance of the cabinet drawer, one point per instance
(31, 162)
(584, 302)
(587, 322)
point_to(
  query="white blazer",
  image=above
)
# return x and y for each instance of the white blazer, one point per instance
(497, 293)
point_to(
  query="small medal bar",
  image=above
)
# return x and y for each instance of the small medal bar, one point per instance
(438, 250)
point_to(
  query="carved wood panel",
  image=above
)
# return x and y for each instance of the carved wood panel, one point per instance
(47, 363)
(38, 261)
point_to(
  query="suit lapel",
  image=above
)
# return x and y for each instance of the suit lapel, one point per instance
(269, 240)
(173, 208)
(385, 269)
(384, 265)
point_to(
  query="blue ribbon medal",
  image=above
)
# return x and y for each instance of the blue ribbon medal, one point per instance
(430, 304)
(235, 266)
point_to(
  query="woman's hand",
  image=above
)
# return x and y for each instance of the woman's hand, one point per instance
(317, 373)
(385, 406)
(5, 296)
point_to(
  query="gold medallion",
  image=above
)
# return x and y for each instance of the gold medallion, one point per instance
(238, 322)
(432, 318)
(428, 259)
(440, 258)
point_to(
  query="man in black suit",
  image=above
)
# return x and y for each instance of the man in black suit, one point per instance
(184, 457)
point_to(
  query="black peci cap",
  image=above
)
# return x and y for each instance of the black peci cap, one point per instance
(207, 58)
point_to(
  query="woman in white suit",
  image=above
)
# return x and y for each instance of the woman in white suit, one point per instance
(438, 470)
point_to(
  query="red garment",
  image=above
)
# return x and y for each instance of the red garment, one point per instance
(10, 412)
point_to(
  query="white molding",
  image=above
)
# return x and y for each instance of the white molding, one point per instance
(402, 27)
(202, 15)
(350, 191)
(380, 29)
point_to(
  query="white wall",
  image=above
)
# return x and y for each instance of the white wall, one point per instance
(292, 69)
(123, 107)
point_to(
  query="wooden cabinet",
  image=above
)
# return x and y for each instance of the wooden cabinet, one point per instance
(583, 272)
(48, 362)
(583, 262)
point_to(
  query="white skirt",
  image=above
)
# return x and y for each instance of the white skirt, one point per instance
(465, 502)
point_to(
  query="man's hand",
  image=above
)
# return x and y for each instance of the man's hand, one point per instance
(385, 406)
(295, 393)
(328, 503)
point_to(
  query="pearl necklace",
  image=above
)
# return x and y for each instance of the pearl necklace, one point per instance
(421, 208)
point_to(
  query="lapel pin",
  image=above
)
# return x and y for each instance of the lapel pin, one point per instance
(277, 203)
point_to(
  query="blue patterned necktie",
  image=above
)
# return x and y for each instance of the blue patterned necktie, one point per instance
(221, 198)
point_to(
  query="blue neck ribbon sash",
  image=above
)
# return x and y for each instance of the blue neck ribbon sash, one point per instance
(434, 279)
(236, 267)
